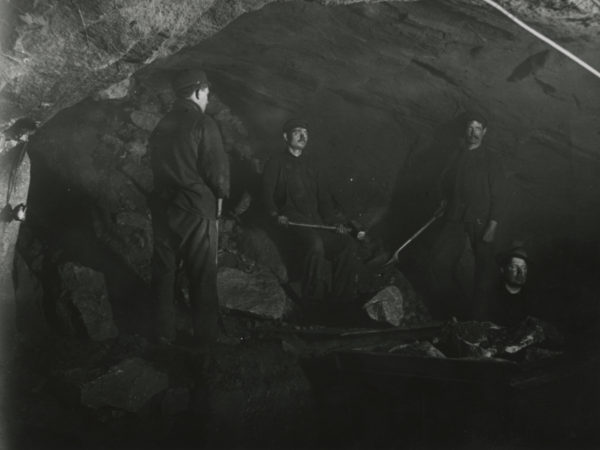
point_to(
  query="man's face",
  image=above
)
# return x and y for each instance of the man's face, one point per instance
(474, 133)
(297, 138)
(202, 97)
(515, 272)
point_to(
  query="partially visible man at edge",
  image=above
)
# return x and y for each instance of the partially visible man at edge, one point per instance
(191, 177)
(294, 190)
(15, 168)
(474, 190)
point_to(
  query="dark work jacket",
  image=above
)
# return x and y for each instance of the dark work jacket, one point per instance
(189, 163)
(509, 309)
(474, 184)
(294, 187)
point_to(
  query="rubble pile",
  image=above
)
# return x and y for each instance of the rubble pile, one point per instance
(532, 339)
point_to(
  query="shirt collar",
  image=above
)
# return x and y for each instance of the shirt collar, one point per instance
(186, 104)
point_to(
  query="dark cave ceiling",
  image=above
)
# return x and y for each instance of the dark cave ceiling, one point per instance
(56, 53)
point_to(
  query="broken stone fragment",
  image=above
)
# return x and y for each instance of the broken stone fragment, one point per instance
(83, 303)
(258, 293)
(470, 339)
(475, 349)
(373, 281)
(144, 120)
(486, 339)
(127, 386)
(419, 348)
(396, 307)
(530, 332)
(536, 354)
(137, 149)
(386, 306)
(116, 90)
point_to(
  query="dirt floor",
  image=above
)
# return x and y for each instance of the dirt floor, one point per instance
(286, 386)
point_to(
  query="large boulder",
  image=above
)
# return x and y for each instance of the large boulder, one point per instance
(92, 192)
(382, 93)
(257, 293)
(395, 302)
(128, 386)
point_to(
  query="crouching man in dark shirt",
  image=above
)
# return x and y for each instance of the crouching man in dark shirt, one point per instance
(295, 191)
(510, 302)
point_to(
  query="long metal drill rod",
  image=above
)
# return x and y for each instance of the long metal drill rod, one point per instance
(312, 225)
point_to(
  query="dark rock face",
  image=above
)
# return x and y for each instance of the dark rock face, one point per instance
(100, 191)
(90, 189)
(382, 85)
(54, 54)
(96, 44)
(382, 92)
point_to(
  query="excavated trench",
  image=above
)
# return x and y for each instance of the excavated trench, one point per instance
(383, 86)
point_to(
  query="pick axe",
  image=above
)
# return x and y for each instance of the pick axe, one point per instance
(436, 215)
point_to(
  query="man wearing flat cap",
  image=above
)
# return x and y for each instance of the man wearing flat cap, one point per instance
(295, 190)
(191, 177)
(509, 303)
(474, 191)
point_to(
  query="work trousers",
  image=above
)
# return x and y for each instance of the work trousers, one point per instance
(192, 239)
(317, 247)
(467, 298)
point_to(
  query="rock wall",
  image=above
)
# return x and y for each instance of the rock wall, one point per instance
(56, 53)
(382, 85)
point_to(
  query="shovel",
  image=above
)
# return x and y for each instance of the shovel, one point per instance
(436, 215)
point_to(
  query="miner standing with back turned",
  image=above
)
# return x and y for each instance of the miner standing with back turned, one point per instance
(191, 176)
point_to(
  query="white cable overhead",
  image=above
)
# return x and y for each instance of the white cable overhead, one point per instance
(543, 38)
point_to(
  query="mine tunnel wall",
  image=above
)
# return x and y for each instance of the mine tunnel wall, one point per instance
(382, 90)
